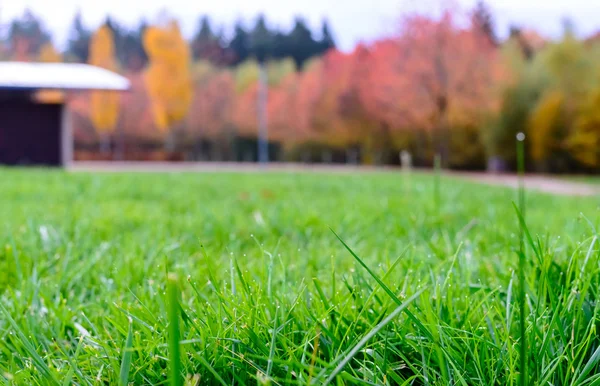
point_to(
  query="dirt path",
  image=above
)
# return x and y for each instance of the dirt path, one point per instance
(546, 184)
(209, 167)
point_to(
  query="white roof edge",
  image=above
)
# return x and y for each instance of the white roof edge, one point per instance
(64, 76)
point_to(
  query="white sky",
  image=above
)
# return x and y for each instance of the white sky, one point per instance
(351, 20)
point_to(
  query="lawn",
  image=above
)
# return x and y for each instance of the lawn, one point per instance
(241, 279)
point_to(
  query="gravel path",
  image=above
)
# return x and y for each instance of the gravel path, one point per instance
(546, 184)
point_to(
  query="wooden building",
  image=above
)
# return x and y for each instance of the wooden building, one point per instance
(34, 133)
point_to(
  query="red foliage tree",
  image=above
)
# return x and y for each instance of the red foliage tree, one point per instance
(282, 113)
(433, 75)
(245, 112)
(212, 106)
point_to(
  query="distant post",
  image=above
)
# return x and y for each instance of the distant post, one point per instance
(263, 135)
(405, 160)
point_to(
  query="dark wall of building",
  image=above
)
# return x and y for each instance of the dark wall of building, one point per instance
(30, 133)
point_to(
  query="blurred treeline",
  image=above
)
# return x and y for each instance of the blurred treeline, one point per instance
(444, 85)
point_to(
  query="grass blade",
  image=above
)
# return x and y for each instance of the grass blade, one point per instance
(593, 361)
(344, 361)
(126, 359)
(521, 274)
(437, 166)
(174, 333)
(37, 360)
(212, 370)
(391, 294)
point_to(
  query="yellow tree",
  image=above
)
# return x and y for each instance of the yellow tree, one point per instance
(104, 104)
(584, 139)
(168, 77)
(48, 54)
(544, 122)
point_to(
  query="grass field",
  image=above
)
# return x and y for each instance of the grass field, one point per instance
(93, 269)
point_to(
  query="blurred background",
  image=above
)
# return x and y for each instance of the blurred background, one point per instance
(350, 82)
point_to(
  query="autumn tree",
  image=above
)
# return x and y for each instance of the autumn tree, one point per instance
(282, 113)
(104, 104)
(245, 113)
(519, 90)
(168, 77)
(137, 120)
(435, 75)
(278, 70)
(309, 90)
(544, 125)
(569, 75)
(48, 54)
(209, 119)
(584, 139)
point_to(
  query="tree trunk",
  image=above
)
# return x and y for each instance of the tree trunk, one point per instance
(443, 137)
(263, 136)
(170, 141)
(247, 157)
(352, 156)
(496, 164)
(305, 156)
(120, 150)
(105, 145)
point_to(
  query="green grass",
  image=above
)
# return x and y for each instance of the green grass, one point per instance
(240, 279)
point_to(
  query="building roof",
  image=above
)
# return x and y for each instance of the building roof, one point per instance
(63, 76)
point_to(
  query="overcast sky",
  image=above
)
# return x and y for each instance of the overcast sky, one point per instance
(351, 20)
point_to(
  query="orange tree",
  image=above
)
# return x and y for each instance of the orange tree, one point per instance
(48, 54)
(168, 77)
(104, 112)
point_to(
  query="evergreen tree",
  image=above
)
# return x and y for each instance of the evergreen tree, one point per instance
(261, 41)
(240, 43)
(135, 56)
(27, 35)
(483, 19)
(79, 40)
(120, 40)
(300, 43)
(326, 42)
(281, 48)
(207, 44)
(203, 39)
